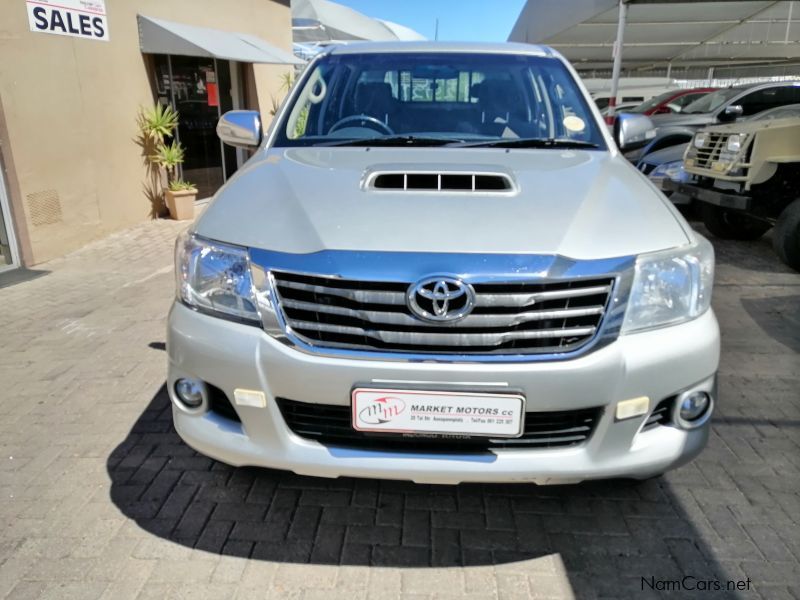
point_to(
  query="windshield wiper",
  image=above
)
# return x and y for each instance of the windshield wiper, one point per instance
(527, 143)
(394, 140)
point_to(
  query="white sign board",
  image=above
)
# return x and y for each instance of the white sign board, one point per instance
(407, 411)
(78, 18)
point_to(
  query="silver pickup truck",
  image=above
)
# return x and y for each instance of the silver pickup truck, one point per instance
(437, 266)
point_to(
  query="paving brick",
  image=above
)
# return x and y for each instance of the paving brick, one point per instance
(102, 499)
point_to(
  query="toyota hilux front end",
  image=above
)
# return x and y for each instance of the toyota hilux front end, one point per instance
(438, 267)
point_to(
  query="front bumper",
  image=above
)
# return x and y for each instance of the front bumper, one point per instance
(657, 364)
(707, 195)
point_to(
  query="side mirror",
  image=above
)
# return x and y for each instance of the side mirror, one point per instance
(731, 113)
(632, 131)
(240, 128)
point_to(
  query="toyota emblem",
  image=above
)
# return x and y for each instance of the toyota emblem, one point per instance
(441, 299)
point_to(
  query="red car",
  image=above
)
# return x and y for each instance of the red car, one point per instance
(670, 101)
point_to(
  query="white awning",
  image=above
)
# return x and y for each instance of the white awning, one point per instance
(157, 36)
(322, 21)
(661, 32)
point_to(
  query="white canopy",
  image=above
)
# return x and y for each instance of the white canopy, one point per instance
(662, 32)
(322, 21)
(157, 36)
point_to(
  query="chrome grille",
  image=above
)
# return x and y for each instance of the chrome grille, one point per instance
(507, 318)
(709, 153)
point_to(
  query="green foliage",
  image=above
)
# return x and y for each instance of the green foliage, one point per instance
(287, 81)
(179, 185)
(302, 121)
(157, 122)
(168, 156)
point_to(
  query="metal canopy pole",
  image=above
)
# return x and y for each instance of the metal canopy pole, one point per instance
(612, 103)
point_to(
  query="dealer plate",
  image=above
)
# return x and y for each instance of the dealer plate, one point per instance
(416, 411)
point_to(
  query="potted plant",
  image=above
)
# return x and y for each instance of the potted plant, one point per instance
(179, 194)
(180, 197)
(156, 124)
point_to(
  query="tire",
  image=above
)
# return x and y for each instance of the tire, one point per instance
(731, 225)
(786, 237)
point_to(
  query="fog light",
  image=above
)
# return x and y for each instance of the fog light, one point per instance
(693, 406)
(190, 392)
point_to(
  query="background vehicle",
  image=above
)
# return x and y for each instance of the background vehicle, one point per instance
(722, 106)
(747, 179)
(620, 108)
(630, 89)
(664, 164)
(671, 101)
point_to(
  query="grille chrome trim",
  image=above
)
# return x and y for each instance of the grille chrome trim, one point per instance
(337, 269)
(524, 300)
(443, 339)
(364, 296)
(473, 320)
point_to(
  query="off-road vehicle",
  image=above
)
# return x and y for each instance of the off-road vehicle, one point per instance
(746, 177)
(437, 266)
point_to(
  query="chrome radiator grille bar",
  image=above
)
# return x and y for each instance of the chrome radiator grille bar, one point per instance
(535, 317)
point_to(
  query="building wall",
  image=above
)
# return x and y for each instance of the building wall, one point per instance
(69, 106)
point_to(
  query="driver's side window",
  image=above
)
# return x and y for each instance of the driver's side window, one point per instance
(762, 100)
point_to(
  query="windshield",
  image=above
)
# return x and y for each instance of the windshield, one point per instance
(653, 102)
(712, 101)
(437, 98)
(782, 112)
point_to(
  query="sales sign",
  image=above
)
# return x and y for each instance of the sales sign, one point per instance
(78, 18)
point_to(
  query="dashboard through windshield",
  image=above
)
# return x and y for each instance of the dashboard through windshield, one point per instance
(468, 99)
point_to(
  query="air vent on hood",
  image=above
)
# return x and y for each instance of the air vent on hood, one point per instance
(441, 182)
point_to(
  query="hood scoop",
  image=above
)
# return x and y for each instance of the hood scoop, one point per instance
(438, 181)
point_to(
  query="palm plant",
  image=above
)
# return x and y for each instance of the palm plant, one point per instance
(168, 157)
(157, 122)
(162, 154)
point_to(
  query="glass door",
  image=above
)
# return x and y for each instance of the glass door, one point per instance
(200, 90)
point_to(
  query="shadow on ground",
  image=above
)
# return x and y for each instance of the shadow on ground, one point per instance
(778, 317)
(609, 535)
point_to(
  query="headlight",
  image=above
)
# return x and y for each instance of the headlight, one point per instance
(734, 143)
(215, 278)
(671, 170)
(670, 287)
(700, 140)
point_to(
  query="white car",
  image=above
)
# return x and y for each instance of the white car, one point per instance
(437, 266)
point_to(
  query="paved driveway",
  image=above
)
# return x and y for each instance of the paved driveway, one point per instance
(101, 499)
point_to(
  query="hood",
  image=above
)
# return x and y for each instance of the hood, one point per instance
(752, 126)
(665, 155)
(580, 204)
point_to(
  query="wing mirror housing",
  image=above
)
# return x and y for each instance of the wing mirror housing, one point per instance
(632, 131)
(240, 128)
(731, 113)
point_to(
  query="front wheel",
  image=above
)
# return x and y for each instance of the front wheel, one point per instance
(732, 225)
(786, 237)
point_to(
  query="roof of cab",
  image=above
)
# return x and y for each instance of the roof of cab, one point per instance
(428, 46)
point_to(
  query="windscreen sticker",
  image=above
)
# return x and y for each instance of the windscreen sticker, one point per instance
(574, 123)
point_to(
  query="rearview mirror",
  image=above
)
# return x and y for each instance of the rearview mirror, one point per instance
(632, 131)
(731, 113)
(240, 128)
